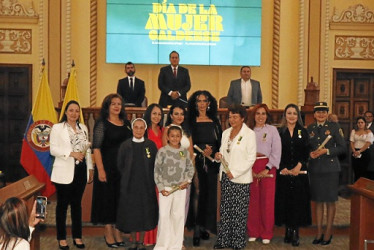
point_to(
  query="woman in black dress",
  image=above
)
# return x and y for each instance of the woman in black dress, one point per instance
(206, 134)
(110, 131)
(137, 209)
(292, 196)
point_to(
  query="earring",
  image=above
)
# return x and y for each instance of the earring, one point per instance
(208, 108)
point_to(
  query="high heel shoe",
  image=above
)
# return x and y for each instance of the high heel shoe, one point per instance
(62, 247)
(111, 245)
(78, 245)
(288, 235)
(196, 241)
(295, 238)
(326, 242)
(204, 235)
(318, 241)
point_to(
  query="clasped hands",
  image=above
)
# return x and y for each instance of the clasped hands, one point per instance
(174, 95)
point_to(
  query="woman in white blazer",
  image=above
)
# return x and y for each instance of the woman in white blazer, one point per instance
(238, 149)
(72, 169)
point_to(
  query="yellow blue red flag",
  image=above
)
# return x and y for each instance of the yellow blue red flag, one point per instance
(35, 156)
(72, 93)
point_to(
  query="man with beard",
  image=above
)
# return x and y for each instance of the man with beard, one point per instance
(131, 88)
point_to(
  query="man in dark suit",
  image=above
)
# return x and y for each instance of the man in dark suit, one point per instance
(244, 91)
(131, 88)
(174, 83)
(369, 119)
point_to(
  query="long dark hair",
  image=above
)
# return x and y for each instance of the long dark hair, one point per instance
(148, 112)
(360, 118)
(299, 119)
(193, 112)
(64, 117)
(104, 112)
(186, 131)
(13, 222)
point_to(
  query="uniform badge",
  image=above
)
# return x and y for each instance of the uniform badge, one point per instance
(327, 132)
(311, 134)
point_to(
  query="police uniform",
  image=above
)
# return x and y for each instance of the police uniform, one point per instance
(324, 170)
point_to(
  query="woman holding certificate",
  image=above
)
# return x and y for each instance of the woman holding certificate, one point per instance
(206, 134)
(261, 202)
(327, 142)
(237, 155)
(72, 169)
(292, 195)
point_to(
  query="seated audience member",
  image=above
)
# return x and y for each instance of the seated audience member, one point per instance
(16, 226)
(131, 88)
(244, 91)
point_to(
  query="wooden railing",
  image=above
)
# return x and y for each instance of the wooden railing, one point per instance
(94, 113)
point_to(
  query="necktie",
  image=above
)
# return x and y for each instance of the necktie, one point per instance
(175, 72)
(131, 84)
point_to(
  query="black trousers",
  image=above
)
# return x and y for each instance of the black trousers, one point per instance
(71, 194)
(360, 165)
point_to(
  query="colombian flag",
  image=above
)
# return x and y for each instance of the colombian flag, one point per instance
(35, 156)
(72, 93)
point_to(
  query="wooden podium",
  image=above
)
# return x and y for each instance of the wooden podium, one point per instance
(27, 189)
(362, 215)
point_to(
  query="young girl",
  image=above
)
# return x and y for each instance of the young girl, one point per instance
(173, 171)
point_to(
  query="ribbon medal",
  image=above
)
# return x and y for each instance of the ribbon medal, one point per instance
(240, 138)
(299, 133)
(264, 137)
(181, 153)
(148, 152)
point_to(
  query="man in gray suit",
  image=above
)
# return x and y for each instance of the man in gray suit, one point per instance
(244, 91)
(369, 120)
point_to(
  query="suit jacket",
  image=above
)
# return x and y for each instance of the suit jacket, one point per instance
(242, 154)
(167, 82)
(336, 146)
(234, 96)
(135, 96)
(64, 165)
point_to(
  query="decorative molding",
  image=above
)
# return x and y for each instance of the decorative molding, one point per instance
(68, 60)
(354, 47)
(357, 17)
(12, 9)
(275, 64)
(93, 52)
(300, 88)
(41, 30)
(15, 41)
(326, 53)
(354, 14)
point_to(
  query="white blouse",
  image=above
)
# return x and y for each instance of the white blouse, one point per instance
(360, 140)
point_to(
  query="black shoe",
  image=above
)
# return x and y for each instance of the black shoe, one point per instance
(204, 235)
(295, 237)
(142, 247)
(318, 241)
(134, 246)
(120, 244)
(326, 242)
(288, 235)
(111, 245)
(78, 245)
(196, 241)
(218, 246)
(62, 247)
